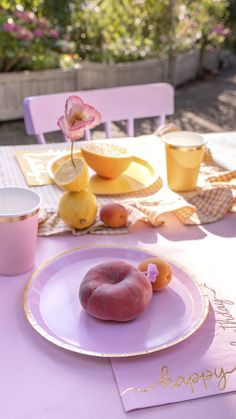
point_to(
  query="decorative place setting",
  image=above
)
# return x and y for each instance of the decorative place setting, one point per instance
(162, 340)
(138, 175)
(146, 313)
(168, 346)
(169, 314)
(39, 168)
(104, 172)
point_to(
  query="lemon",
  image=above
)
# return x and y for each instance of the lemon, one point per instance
(71, 177)
(106, 159)
(78, 209)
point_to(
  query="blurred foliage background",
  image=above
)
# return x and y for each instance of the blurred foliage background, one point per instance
(40, 34)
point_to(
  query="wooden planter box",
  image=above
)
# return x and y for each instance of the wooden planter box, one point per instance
(211, 59)
(96, 75)
(15, 86)
(183, 67)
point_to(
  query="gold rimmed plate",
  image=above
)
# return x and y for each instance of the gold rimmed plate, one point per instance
(52, 306)
(139, 175)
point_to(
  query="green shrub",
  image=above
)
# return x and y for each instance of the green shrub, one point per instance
(111, 31)
(28, 41)
(231, 21)
(106, 30)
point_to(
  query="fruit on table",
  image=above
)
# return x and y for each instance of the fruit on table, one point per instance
(72, 178)
(106, 159)
(115, 290)
(164, 272)
(114, 215)
(78, 209)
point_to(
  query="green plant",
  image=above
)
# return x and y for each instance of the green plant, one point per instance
(111, 31)
(210, 17)
(28, 41)
(199, 23)
(231, 21)
(107, 30)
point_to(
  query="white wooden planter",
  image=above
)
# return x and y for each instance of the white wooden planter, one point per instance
(15, 86)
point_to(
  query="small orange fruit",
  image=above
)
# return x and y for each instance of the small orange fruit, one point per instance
(164, 272)
(114, 215)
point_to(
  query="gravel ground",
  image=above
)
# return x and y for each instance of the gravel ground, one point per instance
(203, 106)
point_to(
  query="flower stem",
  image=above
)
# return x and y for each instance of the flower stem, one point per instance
(71, 153)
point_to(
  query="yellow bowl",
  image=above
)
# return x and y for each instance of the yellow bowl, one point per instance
(106, 159)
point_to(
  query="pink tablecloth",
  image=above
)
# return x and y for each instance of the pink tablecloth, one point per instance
(39, 380)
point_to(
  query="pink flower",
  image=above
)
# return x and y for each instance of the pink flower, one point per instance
(25, 16)
(30, 17)
(152, 272)
(66, 37)
(43, 22)
(53, 33)
(23, 34)
(38, 33)
(17, 13)
(78, 116)
(221, 30)
(9, 26)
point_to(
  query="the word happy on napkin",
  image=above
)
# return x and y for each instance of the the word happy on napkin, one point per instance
(202, 365)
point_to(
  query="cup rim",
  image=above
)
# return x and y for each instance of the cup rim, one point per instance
(17, 215)
(186, 146)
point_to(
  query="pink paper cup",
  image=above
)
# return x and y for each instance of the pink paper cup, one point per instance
(19, 208)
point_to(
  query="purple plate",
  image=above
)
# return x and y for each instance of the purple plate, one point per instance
(52, 306)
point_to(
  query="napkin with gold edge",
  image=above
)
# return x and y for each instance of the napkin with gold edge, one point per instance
(200, 366)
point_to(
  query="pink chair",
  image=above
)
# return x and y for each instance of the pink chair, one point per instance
(115, 104)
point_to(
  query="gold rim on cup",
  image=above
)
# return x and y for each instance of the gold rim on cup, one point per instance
(10, 219)
(184, 148)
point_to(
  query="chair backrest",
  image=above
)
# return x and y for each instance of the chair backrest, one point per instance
(115, 104)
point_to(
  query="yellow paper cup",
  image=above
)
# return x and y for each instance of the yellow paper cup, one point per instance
(184, 153)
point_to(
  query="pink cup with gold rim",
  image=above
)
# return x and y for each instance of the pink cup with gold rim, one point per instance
(19, 208)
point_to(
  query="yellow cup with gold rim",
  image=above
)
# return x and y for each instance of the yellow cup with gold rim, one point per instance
(184, 154)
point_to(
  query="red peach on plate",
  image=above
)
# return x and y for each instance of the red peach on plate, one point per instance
(115, 291)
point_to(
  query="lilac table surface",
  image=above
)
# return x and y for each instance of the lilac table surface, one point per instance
(39, 380)
(42, 381)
